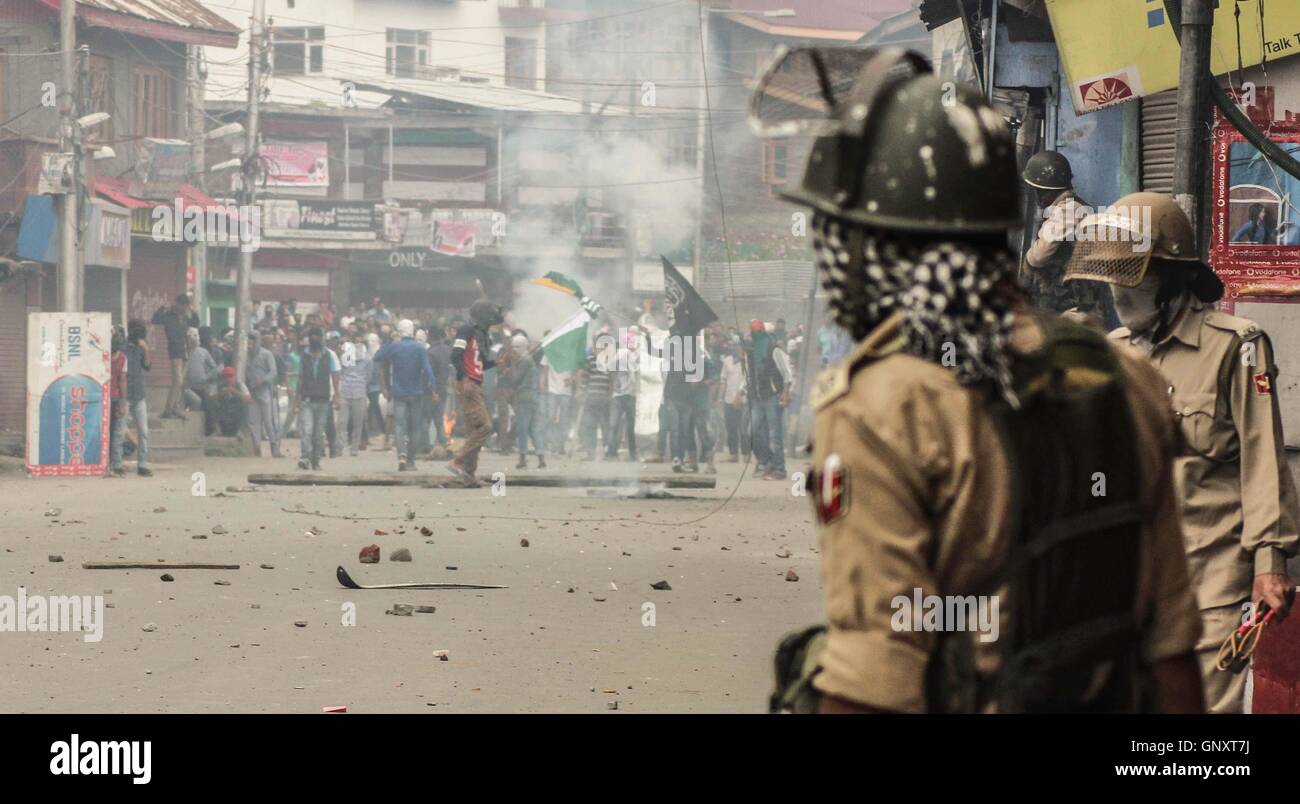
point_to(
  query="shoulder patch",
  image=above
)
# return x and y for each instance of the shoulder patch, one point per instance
(832, 384)
(1243, 327)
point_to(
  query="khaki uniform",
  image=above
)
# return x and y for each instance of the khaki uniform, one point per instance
(1048, 256)
(923, 500)
(1239, 503)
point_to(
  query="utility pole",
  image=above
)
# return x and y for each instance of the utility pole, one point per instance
(1193, 76)
(244, 277)
(69, 208)
(196, 128)
(701, 143)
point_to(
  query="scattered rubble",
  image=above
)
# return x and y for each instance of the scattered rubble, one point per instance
(370, 554)
(400, 554)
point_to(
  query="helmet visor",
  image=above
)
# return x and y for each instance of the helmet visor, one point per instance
(804, 91)
(1111, 247)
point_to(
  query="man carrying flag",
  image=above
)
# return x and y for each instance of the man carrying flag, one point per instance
(684, 393)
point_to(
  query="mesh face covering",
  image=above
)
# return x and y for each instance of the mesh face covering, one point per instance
(956, 313)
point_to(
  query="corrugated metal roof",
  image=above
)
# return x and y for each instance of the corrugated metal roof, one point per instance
(484, 96)
(181, 13)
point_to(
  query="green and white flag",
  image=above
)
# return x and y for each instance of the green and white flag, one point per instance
(566, 345)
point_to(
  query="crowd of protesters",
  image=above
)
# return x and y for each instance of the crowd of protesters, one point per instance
(409, 381)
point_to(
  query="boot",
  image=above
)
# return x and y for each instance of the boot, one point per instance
(541, 461)
(523, 461)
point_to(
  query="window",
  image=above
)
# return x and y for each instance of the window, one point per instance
(408, 52)
(153, 102)
(521, 63)
(298, 51)
(100, 94)
(774, 152)
(682, 147)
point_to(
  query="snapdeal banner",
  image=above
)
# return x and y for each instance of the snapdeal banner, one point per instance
(68, 371)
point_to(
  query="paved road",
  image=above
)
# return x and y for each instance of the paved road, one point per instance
(555, 641)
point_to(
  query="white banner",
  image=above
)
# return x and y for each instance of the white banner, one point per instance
(68, 372)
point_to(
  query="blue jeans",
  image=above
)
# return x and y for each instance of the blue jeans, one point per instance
(139, 411)
(408, 414)
(311, 421)
(528, 425)
(690, 418)
(767, 432)
(558, 407)
(622, 418)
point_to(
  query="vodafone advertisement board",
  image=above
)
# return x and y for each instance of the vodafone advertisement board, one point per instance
(68, 372)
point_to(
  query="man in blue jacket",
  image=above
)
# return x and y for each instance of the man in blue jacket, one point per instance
(406, 377)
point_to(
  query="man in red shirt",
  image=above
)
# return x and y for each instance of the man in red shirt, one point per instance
(469, 358)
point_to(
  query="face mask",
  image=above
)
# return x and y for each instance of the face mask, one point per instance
(1136, 307)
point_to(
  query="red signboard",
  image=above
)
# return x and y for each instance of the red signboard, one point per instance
(1255, 245)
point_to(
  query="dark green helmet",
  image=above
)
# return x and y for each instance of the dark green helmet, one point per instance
(486, 314)
(1048, 170)
(911, 151)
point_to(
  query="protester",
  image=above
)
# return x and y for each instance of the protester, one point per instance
(596, 398)
(521, 377)
(137, 407)
(625, 383)
(440, 359)
(318, 384)
(356, 363)
(768, 370)
(260, 375)
(469, 360)
(407, 378)
(734, 407)
(176, 321)
(202, 376)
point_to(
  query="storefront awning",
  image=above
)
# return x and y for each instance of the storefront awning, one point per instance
(117, 191)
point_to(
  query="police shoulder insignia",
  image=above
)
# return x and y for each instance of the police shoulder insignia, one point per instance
(832, 384)
(1243, 327)
(1263, 384)
(831, 495)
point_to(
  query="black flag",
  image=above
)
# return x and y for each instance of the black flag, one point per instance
(689, 312)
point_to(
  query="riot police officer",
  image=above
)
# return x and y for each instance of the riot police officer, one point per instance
(1239, 503)
(1049, 175)
(976, 556)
